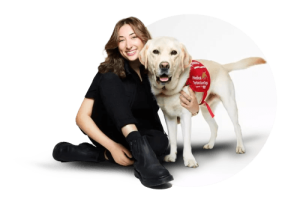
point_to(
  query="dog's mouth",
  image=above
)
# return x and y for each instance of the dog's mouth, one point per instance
(163, 79)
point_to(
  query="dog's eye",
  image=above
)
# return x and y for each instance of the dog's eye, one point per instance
(174, 52)
(155, 51)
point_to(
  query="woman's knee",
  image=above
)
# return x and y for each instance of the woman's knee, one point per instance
(164, 141)
(159, 143)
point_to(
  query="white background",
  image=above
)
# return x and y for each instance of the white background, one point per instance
(205, 37)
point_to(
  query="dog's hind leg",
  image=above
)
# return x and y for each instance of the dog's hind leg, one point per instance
(227, 96)
(172, 132)
(211, 123)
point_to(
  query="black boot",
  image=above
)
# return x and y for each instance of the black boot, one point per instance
(66, 152)
(146, 166)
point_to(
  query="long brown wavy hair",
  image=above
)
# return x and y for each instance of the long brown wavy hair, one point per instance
(114, 62)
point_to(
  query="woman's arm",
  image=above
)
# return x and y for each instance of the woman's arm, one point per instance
(86, 123)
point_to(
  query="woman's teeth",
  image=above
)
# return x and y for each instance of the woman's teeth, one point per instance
(131, 53)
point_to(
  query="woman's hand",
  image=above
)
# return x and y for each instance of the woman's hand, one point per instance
(118, 153)
(189, 101)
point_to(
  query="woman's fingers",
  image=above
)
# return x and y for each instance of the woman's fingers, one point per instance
(186, 96)
(184, 100)
(120, 154)
(184, 105)
(127, 152)
(126, 156)
(126, 161)
(189, 101)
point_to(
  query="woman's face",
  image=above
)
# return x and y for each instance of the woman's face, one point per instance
(129, 44)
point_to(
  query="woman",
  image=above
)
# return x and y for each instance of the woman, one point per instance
(119, 112)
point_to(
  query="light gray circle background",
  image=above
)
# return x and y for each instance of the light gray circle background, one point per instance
(208, 37)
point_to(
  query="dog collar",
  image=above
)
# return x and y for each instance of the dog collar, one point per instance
(199, 81)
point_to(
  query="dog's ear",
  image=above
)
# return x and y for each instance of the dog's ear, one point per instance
(143, 54)
(186, 59)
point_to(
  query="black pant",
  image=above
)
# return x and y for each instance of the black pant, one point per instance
(113, 97)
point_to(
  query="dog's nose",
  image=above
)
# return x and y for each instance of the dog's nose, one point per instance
(164, 65)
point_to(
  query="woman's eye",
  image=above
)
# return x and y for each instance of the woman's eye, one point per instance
(174, 52)
(121, 40)
(155, 51)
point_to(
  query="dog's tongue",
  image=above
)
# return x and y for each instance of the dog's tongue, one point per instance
(163, 79)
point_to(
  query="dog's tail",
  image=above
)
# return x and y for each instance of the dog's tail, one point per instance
(244, 63)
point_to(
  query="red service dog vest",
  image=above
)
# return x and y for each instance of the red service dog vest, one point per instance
(199, 81)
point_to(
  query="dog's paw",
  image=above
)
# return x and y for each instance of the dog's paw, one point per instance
(170, 158)
(190, 162)
(240, 150)
(208, 146)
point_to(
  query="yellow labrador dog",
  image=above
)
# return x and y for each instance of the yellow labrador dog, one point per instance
(169, 63)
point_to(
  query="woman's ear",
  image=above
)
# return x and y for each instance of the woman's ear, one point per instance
(185, 57)
(143, 54)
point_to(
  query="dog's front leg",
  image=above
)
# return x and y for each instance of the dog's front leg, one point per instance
(186, 122)
(172, 131)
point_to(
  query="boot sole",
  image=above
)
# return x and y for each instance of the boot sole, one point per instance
(153, 182)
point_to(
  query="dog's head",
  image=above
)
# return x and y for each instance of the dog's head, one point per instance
(165, 57)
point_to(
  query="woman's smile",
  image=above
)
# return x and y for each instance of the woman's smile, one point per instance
(131, 53)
